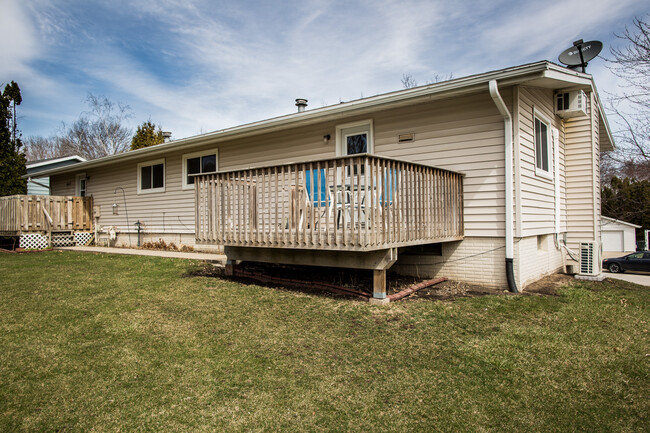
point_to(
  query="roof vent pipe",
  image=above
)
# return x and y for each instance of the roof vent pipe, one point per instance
(167, 136)
(301, 104)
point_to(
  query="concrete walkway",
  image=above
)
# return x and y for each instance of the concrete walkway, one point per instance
(640, 278)
(211, 257)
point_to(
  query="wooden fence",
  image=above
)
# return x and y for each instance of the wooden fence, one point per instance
(353, 203)
(38, 213)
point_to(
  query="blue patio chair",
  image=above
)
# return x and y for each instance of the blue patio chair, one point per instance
(318, 193)
(390, 175)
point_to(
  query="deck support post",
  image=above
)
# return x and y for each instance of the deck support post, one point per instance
(230, 268)
(379, 287)
(379, 283)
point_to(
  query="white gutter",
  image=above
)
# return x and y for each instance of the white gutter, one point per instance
(603, 117)
(614, 220)
(464, 85)
(507, 131)
(55, 161)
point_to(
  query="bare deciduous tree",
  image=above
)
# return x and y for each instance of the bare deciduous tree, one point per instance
(37, 148)
(437, 78)
(630, 110)
(98, 132)
(408, 81)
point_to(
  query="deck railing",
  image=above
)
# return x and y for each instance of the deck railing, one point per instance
(34, 213)
(353, 203)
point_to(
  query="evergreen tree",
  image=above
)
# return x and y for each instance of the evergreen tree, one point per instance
(146, 136)
(12, 160)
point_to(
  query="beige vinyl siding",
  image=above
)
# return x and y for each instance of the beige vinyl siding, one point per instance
(538, 192)
(63, 184)
(171, 211)
(582, 158)
(595, 125)
(462, 134)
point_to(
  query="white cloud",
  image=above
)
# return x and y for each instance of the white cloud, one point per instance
(216, 66)
(531, 28)
(18, 43)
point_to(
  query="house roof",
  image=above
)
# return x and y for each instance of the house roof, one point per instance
(43, 165)
(540, 74)
(49, 161)
(612, 220)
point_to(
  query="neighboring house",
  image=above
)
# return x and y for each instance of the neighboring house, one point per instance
(513, 146)
(618, 236)
(37, 185)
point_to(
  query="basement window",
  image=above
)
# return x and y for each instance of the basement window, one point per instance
(151, 176)
(424, 250)
(542, 243)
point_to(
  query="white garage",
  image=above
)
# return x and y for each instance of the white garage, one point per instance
(618, 236)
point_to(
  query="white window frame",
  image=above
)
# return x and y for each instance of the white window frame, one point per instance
(77, 188)
(152, 163)
(187, 156)
(548, 174)
(354, 128)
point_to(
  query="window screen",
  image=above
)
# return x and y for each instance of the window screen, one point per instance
(200, 164)
(193, 167)
(357, 143)
(145, 177)
(541, 145)
(152, 176)
(158, 176)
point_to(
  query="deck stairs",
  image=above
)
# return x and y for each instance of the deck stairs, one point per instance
(63, 238)
(71, 238)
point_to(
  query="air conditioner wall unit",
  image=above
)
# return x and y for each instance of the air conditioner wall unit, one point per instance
(590, 262)
(571, 104)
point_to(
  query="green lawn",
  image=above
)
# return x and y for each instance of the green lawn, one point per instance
(109, 343)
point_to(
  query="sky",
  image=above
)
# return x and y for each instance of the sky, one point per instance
(195, 66)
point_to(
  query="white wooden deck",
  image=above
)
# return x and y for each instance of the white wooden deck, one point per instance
(353, 203)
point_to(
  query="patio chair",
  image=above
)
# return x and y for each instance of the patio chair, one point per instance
(318, 195)
(390, 182)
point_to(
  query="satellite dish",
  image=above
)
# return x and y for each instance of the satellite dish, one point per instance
(580, 53)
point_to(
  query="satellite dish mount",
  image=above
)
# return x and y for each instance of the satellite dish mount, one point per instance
(580, 54)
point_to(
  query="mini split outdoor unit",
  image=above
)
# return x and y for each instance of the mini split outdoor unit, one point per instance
(571, 104)
(589, 258)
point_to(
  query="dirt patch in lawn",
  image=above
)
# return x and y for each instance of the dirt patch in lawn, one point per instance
(361, 280)
(451, 289)
(204, 270)
(549, 285)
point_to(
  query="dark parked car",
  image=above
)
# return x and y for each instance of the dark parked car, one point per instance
(639, 261)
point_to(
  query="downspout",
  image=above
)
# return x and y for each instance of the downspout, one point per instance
(507, 130)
